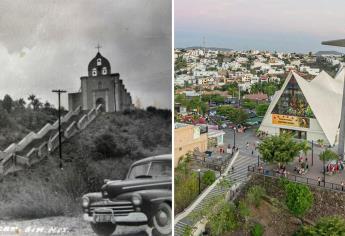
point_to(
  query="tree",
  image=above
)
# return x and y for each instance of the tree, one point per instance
(236, 115)
(208, 178)
(249, 104)
(299, 198)
(7, 103)
(34, 102)
(21, 103)
(31, 98)
(180, 63)
(328, 155)
(329, 225)
(305, 147)
(279, 149)
(37, 104)
(261, 109)
(47, 105)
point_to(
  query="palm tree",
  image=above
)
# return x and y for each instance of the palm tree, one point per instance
(305, 147)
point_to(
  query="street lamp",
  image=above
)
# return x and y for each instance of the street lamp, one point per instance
(234, 136)
(312, 152)
(199, 171)
(258, 160)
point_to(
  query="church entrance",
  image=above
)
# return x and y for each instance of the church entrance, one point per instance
(101, 101)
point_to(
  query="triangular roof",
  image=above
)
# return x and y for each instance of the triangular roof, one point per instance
(324, 95)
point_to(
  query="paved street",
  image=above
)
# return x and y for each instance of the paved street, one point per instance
(315, 170)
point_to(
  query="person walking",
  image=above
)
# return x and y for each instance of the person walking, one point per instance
(247, 145)
(319, 180)
(232, 168)
(342, 185)
(252, 152)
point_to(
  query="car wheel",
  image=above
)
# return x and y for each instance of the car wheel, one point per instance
(161, 221)
(103, 229)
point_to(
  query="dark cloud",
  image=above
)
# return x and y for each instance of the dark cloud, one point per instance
(48, 44)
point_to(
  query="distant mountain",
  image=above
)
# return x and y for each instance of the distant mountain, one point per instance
(208, 48)
(335, 53)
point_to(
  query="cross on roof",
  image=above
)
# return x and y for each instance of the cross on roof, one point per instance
(98, 47)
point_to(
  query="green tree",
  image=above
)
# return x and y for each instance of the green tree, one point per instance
(261, 109)
(208, 177)
(7, 103)
(299, 198)
(305, 147)
(328, 155)
(279, 149)
(330, 225)
(249, 104)
(180, 63)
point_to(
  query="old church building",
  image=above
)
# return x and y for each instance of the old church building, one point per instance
(101, 87)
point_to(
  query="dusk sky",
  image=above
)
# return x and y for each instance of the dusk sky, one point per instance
(47, 45)
(275, 25)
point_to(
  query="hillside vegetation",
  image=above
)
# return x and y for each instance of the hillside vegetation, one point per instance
(105, 149)
(18, 118)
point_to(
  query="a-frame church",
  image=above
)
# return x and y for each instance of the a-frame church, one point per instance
(307, 109)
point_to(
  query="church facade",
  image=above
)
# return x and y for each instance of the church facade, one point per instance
(101, 87)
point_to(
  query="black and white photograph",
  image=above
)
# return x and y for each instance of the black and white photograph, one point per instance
(85, 117)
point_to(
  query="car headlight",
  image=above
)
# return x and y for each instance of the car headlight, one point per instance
(136, 199)
(85, 202)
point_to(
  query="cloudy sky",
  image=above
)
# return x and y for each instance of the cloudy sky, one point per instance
(47, 45)
(277, 25)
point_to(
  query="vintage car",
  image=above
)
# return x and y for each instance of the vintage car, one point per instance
(143, 197)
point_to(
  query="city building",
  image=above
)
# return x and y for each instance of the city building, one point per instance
(187, 139)
(101, 87)
(307, 109)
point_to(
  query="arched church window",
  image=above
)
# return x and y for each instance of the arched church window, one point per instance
(104, 70)
(99, 61)
(99, 85)
(94, 72)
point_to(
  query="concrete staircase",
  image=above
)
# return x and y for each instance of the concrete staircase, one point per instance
(36, 146)
(237, 177)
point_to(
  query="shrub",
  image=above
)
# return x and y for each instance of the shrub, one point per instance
(208, 177)
(255, 194)
(257, 230)
(188, 231)
(299, 198)
(224, 220)
(186, 189)
(112, 145)
(330, 225)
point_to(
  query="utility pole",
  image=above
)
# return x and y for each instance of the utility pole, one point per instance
(59, 91)
(340, 43)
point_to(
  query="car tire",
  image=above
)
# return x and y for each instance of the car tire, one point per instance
(103, 229)
(161, 220)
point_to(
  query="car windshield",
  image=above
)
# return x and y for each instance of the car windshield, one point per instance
(154, 170)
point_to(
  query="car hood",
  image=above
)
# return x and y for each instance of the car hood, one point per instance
(115, 188)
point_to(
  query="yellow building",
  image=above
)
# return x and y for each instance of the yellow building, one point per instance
(187, 139)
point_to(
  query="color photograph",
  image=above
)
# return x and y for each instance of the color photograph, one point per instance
(259, 118)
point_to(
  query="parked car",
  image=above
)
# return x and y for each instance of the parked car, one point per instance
(143, 197)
